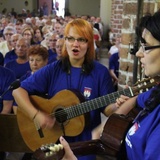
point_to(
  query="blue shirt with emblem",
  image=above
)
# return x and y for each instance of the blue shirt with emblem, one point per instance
(143, 138)
(52, 78)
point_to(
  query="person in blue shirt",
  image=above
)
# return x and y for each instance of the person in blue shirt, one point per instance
(20, 65)
(6, 101)
(76, 70)
(1, 59)
(142, 140)
(11, 55)
(38, 58)
(114, 68)
(52, 39)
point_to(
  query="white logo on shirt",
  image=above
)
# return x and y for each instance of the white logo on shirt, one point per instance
(131, 132)
(87, 92)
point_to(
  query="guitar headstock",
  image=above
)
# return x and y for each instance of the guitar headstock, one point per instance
(145, 85)
(49, 152)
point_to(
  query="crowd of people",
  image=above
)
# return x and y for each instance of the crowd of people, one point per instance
(18, 36)
(50, 55)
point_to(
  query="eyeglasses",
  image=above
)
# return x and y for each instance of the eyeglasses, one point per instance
(27, 34)
(147, 48)
(53, 40)
(35, 60)
(59, 46)
(8, 34)
(79, 40)
(14, 40)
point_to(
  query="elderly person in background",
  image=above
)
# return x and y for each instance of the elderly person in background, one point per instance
(4, 23)
(59, 46)
(45, 42)
(11, 55)
(20, 65)
(6, 46)
(52, 39)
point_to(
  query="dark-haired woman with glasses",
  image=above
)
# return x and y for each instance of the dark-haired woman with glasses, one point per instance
(76, 70)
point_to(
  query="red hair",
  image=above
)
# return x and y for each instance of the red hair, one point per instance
(84, 29)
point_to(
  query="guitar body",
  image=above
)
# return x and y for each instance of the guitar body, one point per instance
(72, 127)
(114, 133)
(110, 145)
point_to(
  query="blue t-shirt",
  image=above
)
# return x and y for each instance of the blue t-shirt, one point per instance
(52, 56)
(1, 59)
(28, 74)
(18, 69)
(143, 138)
(6, 78)
(114, 63)
(52, 78)
(11, 55)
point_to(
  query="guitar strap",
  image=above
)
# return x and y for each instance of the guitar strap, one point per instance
(132, 114)
(87, 120)
(151, 103)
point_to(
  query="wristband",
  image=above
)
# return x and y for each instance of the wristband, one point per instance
(35, 115)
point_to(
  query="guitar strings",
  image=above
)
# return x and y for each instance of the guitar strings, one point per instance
(90, 105)
(81, 108)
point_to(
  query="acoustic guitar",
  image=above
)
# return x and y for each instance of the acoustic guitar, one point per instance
(110, 145)
(69, 112)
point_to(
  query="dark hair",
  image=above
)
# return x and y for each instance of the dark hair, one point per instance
(151, 23)
(19, 21)
(38, 28)
(154, 99)
(1, 34)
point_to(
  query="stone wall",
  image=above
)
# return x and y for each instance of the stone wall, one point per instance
(123, 23)
(116, 16)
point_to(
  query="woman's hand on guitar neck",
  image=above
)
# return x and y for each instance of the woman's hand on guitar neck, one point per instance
(121, 100)
(68, 155)
(110, 109)
(44, 120)
(127, 106)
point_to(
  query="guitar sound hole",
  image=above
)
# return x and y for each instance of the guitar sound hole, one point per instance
(61, 115)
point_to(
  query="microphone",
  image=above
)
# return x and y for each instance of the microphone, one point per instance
(14, 85)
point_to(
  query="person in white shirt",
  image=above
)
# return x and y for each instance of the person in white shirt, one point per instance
(115, 47)
(5, 46)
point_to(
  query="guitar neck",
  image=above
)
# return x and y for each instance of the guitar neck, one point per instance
(96, 147)
(96, 103)
(79, 149)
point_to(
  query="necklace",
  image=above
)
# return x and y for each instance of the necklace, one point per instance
(75, 78)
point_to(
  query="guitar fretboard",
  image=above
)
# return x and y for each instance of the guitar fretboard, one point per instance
(96, 103)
